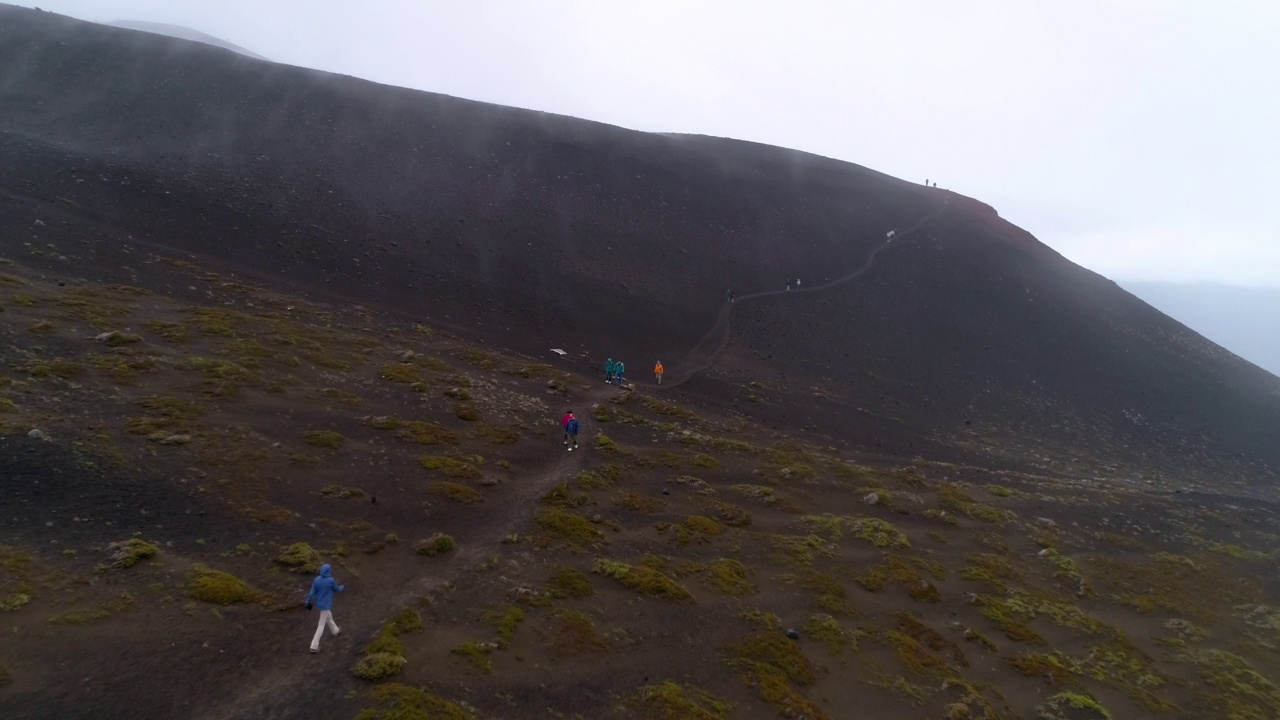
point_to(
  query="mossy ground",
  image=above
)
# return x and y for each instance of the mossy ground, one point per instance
(933, 601)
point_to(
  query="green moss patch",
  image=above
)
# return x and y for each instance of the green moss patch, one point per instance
(670, 701)
(435, 545)
(576, 634)
(402, 702)
(566, 582)
(504, 622)
(638, 502)
(384, 655)
(379, 665)
(560, 524)
(220, 588)
(873, 530)
(453, 466)
(127, 553)
(477, 654)
(425, 433)
(324, 438)
(828, 631)
(400, 372)
(644, 580)
(731, 577)
(300, 557)
(774, 667)
(456, 492)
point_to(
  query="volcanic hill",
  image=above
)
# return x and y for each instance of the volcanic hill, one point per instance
(258, 317)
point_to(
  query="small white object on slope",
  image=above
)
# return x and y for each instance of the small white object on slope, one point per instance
(559, 352)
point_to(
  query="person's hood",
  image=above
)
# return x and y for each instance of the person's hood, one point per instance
(325, 570)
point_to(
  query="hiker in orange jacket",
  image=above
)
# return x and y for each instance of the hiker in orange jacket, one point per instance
(657, 371)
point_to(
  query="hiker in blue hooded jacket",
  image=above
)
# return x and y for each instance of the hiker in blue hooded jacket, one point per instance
(321, 597)
(608, 370)
(618, 370)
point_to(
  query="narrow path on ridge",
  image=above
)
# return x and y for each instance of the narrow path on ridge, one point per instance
(724, 326)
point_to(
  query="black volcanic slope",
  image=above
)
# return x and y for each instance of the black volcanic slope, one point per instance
(535, 231)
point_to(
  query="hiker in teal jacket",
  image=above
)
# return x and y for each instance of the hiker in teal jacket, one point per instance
(608, 370)
(618, 369)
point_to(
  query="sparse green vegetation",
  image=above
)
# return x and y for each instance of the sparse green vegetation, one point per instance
(119, 604)
(731, 577)
(401, 702)
(401, 373)
(127, 553)
(773, 666)
(1239, 691)
(378, 665)
(670, 701)
(171, 331)
(456, 492)
(698, 528)
(14, 601)
(577, 634)
(498, 434)
(560, 496)
(643, 579)
(900, 571)
(828, 631)
(425, 433)
(992, 570)
(598, 479)
(341, 491)
(478, 655)
(504, 622)
(435, 545)
(638, 502)
(570, 527)
(324, 438)
(384, 655)
(220, 588)
(452, 466)
(566, 582)
(1068, 706)
(873, 530)
(300, 557)
(705, 461)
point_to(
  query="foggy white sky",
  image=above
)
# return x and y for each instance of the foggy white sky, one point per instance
(1137, 137)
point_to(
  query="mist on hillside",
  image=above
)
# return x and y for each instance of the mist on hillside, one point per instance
(1244, 320)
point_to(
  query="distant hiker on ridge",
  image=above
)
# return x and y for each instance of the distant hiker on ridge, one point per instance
(564, 423)
(618, 369)
(571, 432)
(657, 371)
(608, 370)
(788, 286)
(321, 597)
(797, 283)
(729, 295)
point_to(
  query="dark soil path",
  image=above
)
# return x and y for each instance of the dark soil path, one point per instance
(296, 676)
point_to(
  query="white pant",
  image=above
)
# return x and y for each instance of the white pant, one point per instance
(326, 618)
